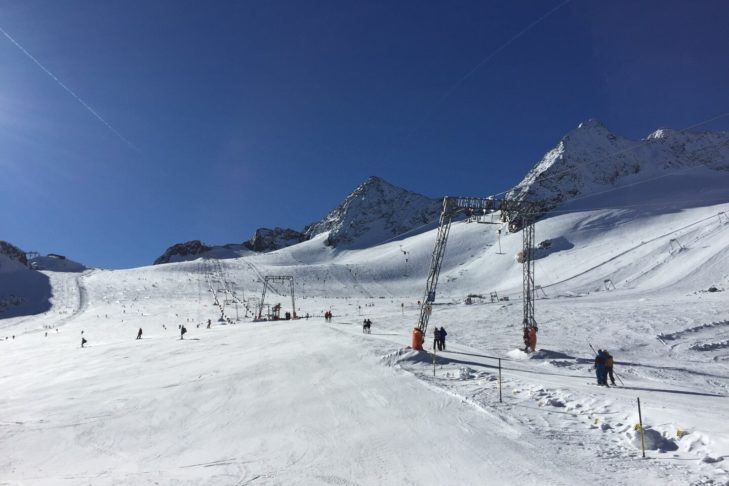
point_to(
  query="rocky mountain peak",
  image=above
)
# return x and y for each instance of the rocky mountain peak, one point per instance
(374, 212)
(266, 239)
(187, 249)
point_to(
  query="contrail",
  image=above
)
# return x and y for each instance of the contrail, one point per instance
(480, 64)
(68, 90)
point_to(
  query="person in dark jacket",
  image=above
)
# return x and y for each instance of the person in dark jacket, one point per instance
(600, 370)
(139, 334)
(183, 331)
(443, 335)
(83, 341)
(436, 339)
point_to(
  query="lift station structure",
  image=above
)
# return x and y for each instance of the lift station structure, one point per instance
(520, 215)
(276, 309)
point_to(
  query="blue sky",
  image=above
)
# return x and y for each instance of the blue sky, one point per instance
(244, 114)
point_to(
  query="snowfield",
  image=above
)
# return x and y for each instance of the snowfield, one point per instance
(312, 402)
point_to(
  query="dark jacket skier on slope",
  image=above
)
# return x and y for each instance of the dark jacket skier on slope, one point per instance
(600, 367)
(139, 334)
(183, 331)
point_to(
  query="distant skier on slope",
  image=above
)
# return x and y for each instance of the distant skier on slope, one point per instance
(183, 331)
(83, 341)
(139, 333)
(436, 339)
(443, 335)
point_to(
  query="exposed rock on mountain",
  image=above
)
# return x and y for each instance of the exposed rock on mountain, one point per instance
(267, 239)
(590, 159)
(179, 251)
(13, 252)
(55, 263)
(376, 211)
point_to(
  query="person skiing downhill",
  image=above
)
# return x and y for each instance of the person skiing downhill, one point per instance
(139, 334)
(183, 330)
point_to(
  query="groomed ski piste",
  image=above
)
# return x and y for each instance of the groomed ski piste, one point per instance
(305, 401)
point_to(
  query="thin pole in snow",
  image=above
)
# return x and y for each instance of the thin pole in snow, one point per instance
(434, 362)
(642, 434)
(500, 380)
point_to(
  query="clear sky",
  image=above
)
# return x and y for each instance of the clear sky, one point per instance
(176, 120)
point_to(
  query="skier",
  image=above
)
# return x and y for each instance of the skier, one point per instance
(436, 339)
(139, 333)
(183, 330)
(83, 341)
(609, 367)
(600, 368)
(443, 335)
(208, 323)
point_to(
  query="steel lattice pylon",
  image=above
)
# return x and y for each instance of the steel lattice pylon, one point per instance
(528, 289)
(518, 214)
(276, 278)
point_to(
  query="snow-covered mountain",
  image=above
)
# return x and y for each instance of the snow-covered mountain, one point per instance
(591, 159)
(376, 211)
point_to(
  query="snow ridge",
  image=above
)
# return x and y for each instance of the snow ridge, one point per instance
(590, 159)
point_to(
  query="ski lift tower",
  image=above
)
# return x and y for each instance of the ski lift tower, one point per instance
(279, 279)
(520, 215)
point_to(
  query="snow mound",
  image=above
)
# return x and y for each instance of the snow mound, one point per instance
(654, 440)
(406, 355)
(517, 354)
(547, 354)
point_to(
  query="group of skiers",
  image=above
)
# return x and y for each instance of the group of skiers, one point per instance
(366, 326)
(439, 339)
(328, 316)
(604, 367)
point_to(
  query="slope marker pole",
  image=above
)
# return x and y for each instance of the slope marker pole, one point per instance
(500, 381)
(642, 434)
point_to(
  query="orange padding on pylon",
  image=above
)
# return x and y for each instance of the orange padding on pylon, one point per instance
(418, 340)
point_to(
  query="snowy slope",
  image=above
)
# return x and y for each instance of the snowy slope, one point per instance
(309, 402)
